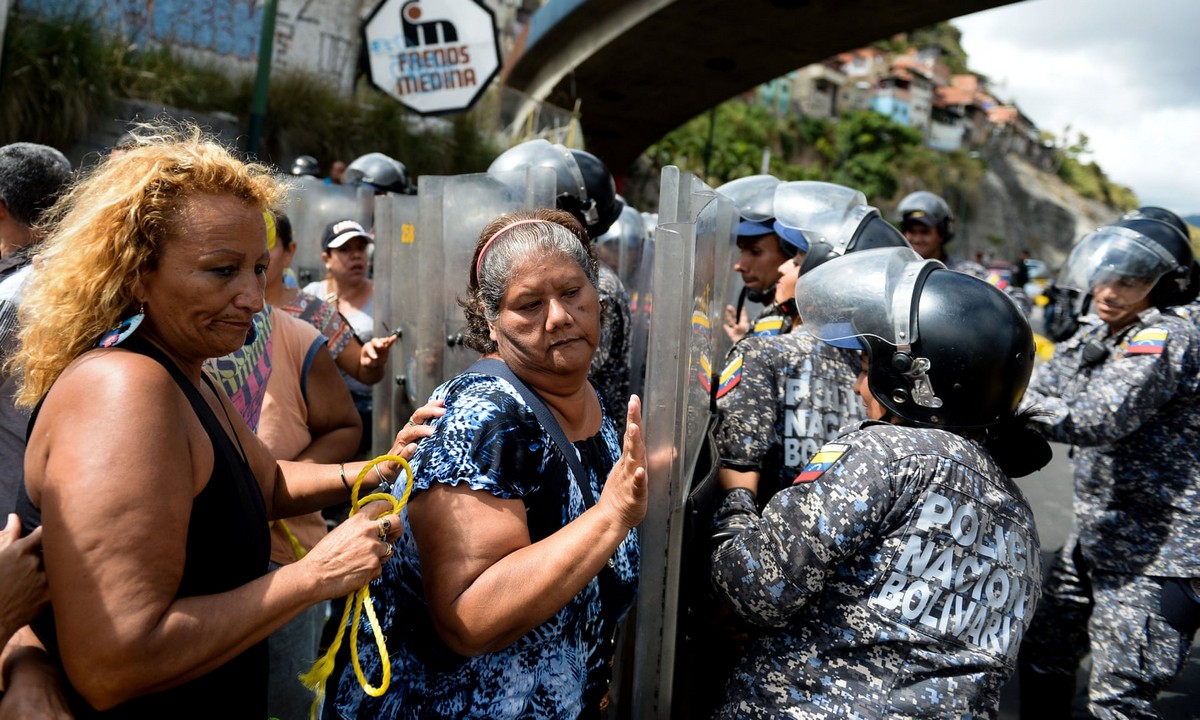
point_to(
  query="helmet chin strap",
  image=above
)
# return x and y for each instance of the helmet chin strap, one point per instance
(760, 296)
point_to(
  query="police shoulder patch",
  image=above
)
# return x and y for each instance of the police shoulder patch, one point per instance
(1150, 341)
(730, 376)
(825, 458)
(768, 326)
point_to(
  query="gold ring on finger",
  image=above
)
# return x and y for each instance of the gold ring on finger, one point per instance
(388, 551)
(385, 527)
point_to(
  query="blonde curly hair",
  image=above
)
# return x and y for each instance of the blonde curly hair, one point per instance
(107, 231)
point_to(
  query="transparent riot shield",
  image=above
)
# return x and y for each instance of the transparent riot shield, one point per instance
(692, 243)
(393, 260)
(311, 206)
(430, 258)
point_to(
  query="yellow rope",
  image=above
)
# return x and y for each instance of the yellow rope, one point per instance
(297, 549)
(316, 678)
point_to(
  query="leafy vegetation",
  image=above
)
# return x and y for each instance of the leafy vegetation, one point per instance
(1086, 177)
(864, 150)
(942, 35)
(61, 73)
(54, 77)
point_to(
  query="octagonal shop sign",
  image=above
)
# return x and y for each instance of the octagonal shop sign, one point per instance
(434, 56)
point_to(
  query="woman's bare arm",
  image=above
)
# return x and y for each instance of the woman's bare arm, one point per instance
(485, 582)
(115, 462)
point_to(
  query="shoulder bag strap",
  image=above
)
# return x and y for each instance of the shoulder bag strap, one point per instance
(497, 368)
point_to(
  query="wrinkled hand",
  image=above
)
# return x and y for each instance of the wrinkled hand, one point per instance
(626, 491)
(23, 591)
(352, 554)
(736, 326)
(415, 430)
(376, 350)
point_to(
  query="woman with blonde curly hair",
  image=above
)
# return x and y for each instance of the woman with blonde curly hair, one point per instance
(152, 493)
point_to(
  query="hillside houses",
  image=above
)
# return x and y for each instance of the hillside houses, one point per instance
(915, 89)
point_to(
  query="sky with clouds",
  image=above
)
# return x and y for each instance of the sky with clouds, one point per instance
(1125, 73)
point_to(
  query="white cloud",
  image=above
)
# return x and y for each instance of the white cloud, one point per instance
(1125, 74)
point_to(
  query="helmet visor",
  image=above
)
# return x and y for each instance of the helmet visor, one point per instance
(754, 197)
(1115, 253)
(864, 294)
(824, 212)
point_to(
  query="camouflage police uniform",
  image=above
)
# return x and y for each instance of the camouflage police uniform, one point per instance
(1131, 404)
(780, 399)
(610, 365)
(897, 574)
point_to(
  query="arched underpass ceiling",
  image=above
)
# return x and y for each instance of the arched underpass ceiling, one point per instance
(641, 68)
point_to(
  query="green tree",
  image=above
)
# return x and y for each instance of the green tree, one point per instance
(866, 149)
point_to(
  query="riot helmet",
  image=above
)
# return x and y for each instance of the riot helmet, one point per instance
(754, 197)
(1142, 248)
(585, 186)
(620, 246)
(381, 172)
(1157, 213)
(944, 349)
(306, 165)
(831, 220)
(928, 209)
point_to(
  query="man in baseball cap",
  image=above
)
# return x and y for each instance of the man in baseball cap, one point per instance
(340, 232)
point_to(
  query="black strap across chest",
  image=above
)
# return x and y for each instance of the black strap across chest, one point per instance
(497, 368)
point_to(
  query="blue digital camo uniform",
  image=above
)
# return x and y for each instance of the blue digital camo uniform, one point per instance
(781, 398)
(1135, 414)
(609, 371)
(490, 440)
(898, 575)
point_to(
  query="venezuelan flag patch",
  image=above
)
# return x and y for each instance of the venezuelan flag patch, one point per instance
(768, 326)
(704, 375)
(1147, 342)
(730, 377)
(822, 461)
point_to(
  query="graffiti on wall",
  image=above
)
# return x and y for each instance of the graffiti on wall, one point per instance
(317, 36)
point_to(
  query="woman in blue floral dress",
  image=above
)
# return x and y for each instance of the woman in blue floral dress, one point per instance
(514, 570)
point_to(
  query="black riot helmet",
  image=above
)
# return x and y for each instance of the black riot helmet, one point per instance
(945, 349)
(306, 165)
(1157, 213)
(585, 187)
(1170, 218)
(384, 173)
(928, 209)
(1136, 248)
(832, 219)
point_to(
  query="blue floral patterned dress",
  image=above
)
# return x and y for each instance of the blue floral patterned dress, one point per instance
(491, 440)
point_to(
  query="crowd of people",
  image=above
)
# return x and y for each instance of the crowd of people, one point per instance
(176, 415)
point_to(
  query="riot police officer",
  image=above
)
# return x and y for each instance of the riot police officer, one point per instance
(781, 397)
(928, 225)
(306, 166)
(1125, 390)
(586, 189)
(381, 172)
(896, 575)
(761, 252)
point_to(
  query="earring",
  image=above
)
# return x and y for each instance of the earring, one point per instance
(123, 330)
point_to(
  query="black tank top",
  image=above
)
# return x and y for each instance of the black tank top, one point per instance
(228, 545)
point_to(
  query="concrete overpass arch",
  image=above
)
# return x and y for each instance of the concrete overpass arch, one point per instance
(641, 68)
